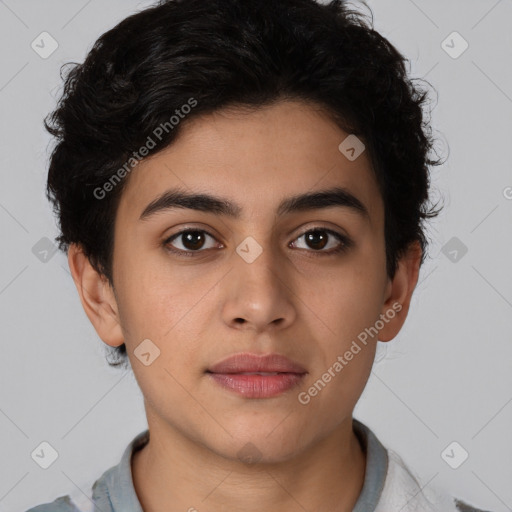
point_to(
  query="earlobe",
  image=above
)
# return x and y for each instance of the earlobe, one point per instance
(399, 292)
(97, 297)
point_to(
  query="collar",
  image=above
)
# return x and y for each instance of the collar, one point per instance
(376, 468)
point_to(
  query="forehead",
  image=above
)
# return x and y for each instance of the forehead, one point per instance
(256, 158)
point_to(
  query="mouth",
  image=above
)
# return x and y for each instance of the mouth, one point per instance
(257, 376)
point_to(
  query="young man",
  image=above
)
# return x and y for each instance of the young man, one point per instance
(241, 188)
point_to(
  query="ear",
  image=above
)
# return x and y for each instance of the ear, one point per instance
(97, 297)
(399, 292)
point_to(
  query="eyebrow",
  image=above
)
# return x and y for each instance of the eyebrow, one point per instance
(175, 198)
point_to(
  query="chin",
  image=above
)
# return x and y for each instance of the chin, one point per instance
(261, 443)
(257, 453)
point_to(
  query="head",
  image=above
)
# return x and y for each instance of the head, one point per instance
(286, 138)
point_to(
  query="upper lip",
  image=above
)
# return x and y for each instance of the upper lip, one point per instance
(246, 362)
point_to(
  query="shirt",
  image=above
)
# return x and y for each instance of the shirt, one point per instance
(388, 485)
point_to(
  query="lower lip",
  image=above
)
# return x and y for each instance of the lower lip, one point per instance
(257, 386)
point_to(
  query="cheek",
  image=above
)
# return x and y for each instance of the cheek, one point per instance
(166, 305)
(347, 300)
(149, 301)
(345, 350)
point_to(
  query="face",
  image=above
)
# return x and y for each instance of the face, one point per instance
(266, 276)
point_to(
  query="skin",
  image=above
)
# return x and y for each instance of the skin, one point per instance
(294, 300)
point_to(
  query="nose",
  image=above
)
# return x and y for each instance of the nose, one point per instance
(259, 295)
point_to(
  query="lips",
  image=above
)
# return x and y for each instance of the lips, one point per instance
(257, 376)
(253, 363)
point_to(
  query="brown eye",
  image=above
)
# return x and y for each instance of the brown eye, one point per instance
(191, 240)
(318, 239)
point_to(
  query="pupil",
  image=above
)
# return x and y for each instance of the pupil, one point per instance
(315, 236)
(189, 240)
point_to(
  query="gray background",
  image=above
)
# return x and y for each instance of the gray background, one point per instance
(446, 377)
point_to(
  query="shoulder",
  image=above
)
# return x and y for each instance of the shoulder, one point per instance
(113, 491)
(61, 504)
(402, 491)
(80, 499)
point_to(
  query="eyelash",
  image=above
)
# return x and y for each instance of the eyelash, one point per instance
(345, 242)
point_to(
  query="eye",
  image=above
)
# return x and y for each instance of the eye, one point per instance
(191, 240)
(320, 238)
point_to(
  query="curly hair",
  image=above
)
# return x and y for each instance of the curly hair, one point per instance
(232, 53)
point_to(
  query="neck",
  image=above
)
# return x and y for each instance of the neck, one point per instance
(172, 472)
